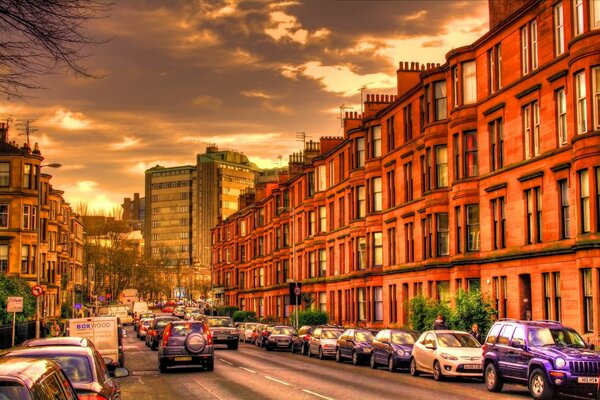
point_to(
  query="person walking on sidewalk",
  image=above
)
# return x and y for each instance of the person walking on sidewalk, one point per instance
(440, 323)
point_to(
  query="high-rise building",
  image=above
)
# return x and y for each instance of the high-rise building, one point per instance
(134, 211)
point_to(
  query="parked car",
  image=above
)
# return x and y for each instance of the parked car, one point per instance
(84, 367)
(143, 327)
(24, 379)
(190, 312)
(280, 338)
(138, 317)
(323, 341)
(167, 309)
(179, 311)
(223, 331)
(59, 341)
(545, 355)
(186, 343)
(261, 340)
(157, 326)
(246, 333)
(393, 347)
(447, 353)
(256, 333)
(300, 341)
(355, 345)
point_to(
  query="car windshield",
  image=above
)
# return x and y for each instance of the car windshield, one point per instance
(77, 368)
(363, 337)
(403, 338)
(539, 337)
(227, 322)
(161, 323)
(185, 329)
(331, 334)
(457, 340)
(13, 391)
(282, 330)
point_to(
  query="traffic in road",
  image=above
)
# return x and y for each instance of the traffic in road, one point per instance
(251, 372)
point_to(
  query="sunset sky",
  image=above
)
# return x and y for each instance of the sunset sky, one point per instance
(245, 75)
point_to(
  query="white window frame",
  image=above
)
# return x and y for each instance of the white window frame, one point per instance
(469, 69)
(581, 106)
(561, 117)
(596, 91)
(578, 26)
(559, 29)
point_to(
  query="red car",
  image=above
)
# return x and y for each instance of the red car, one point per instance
(167, 309)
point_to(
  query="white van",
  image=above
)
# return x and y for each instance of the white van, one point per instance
(121, 311)
(104, 333)
(139, 307)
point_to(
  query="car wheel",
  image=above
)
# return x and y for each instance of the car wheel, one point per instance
(372, 362)
(321, 356)
(492, 378)
(539, 387)
(162, 367)
(437, 371)
(413, 367)
(268, 348)
(338, 356)
(391, 364)
(355, 360)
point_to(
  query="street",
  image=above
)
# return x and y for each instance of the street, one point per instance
(252, 373)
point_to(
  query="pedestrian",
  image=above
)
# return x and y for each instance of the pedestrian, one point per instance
(475, 332)
(440, 323)
(55, 329)
(43, 328)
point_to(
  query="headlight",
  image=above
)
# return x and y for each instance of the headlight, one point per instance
(447, 356)
(407, 353)
(400, 353)
(560, 362)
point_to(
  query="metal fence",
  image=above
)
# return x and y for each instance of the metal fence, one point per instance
(23, 331)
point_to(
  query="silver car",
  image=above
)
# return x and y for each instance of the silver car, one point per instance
(323, 342)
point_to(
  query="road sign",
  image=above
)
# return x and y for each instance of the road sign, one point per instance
(78, 306)
(100, 298)
(14, 304)
(37, 290)
(297, 291)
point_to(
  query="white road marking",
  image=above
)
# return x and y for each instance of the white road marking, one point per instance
(249, 370)
(277, 380)
(225, 361)
(317, 394)
(208, 390)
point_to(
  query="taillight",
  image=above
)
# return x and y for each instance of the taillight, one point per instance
(307, 337)
(166, 334)
(209, 337)
(90, 396)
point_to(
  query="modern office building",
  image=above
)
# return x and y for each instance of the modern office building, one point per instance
(134, 212)
(480, 173)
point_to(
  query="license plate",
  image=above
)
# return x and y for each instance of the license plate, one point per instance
(472, 366)
(587, 379)
(220, 337)
(183, 358)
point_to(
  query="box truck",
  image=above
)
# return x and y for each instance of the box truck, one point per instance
(105, 333)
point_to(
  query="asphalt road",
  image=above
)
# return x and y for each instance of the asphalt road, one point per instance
(253, 373)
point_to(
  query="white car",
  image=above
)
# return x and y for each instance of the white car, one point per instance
(447, 353)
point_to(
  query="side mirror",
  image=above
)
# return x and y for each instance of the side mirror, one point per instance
(107, 360)
(517, 344)
(121, 372)
(592, 346)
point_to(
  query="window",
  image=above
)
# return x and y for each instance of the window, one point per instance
(391, 188)
(321, 178)
(472, 212)
(331, 169)
(426, 106)
(426, 232)
(561, 116)
(409, 242)
(499, 221)
(595, 14)
(408, 182)
(28, 182)
(378, 303)
(584, 201)
(376, 141)
(407, 113)
(341, 212)
(529, 48)
(390, 133)
(598, 198)
(469, 82)
(3, 215)
(25, 259)
(547, 295)
(377, 194)
(455, 101)
(312, 265)
(441, 166)
(456, 155)
(341, 167)
(26, 216)
(496, 144)
(310, 183)
(322, 262)
(322, 219)
(440, 103)
(361, 253)
(443, 234)
(361, 202)
(331, 216)
(312, 223)
(377, 249)
(470, 153)
(559, 30)
(588, 308)
(533, 199)
(360, 152)
(443, 291)
(391, 241)
(596, 82)
(563, 189)
(322, 301)
(531, 129)
(4, 258)
(557, 296)
(577, 17)
(4, 174)
(495, 63)
(458, 221)
(261, 277)
(362, 304)
(581, 95)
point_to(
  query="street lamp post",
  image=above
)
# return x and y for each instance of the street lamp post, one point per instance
(37, 249)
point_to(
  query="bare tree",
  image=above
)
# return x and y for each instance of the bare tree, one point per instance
(39, 36)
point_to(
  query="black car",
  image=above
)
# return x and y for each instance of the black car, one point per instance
(544, 355)
(355, 345)
(223, 331)
(280, 338)
(186, 343)
(155, 331)
(300, 341)
(393, 347)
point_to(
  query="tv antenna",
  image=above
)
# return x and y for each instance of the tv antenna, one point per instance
(25, 126)
(343, 108)
(301, 137)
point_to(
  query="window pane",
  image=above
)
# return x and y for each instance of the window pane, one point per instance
(469, 83)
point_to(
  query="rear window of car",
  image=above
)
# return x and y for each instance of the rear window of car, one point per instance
(13, 391)
(283, 331)
(330, 334)
(225, 322)
(161, 323)
(185, 329)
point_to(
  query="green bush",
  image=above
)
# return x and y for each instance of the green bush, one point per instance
(244, 316)
(12, 286)
(310, 317)
(227, 310)
(423, 312)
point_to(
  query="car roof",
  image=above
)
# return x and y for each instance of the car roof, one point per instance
(28, 370)
(59, 341)
(35, 351)
(168, 318)
(539, 323)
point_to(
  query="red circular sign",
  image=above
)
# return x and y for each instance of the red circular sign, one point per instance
(37, 290)
(297, 291)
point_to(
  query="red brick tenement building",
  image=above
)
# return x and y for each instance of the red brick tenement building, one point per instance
(483, 172)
